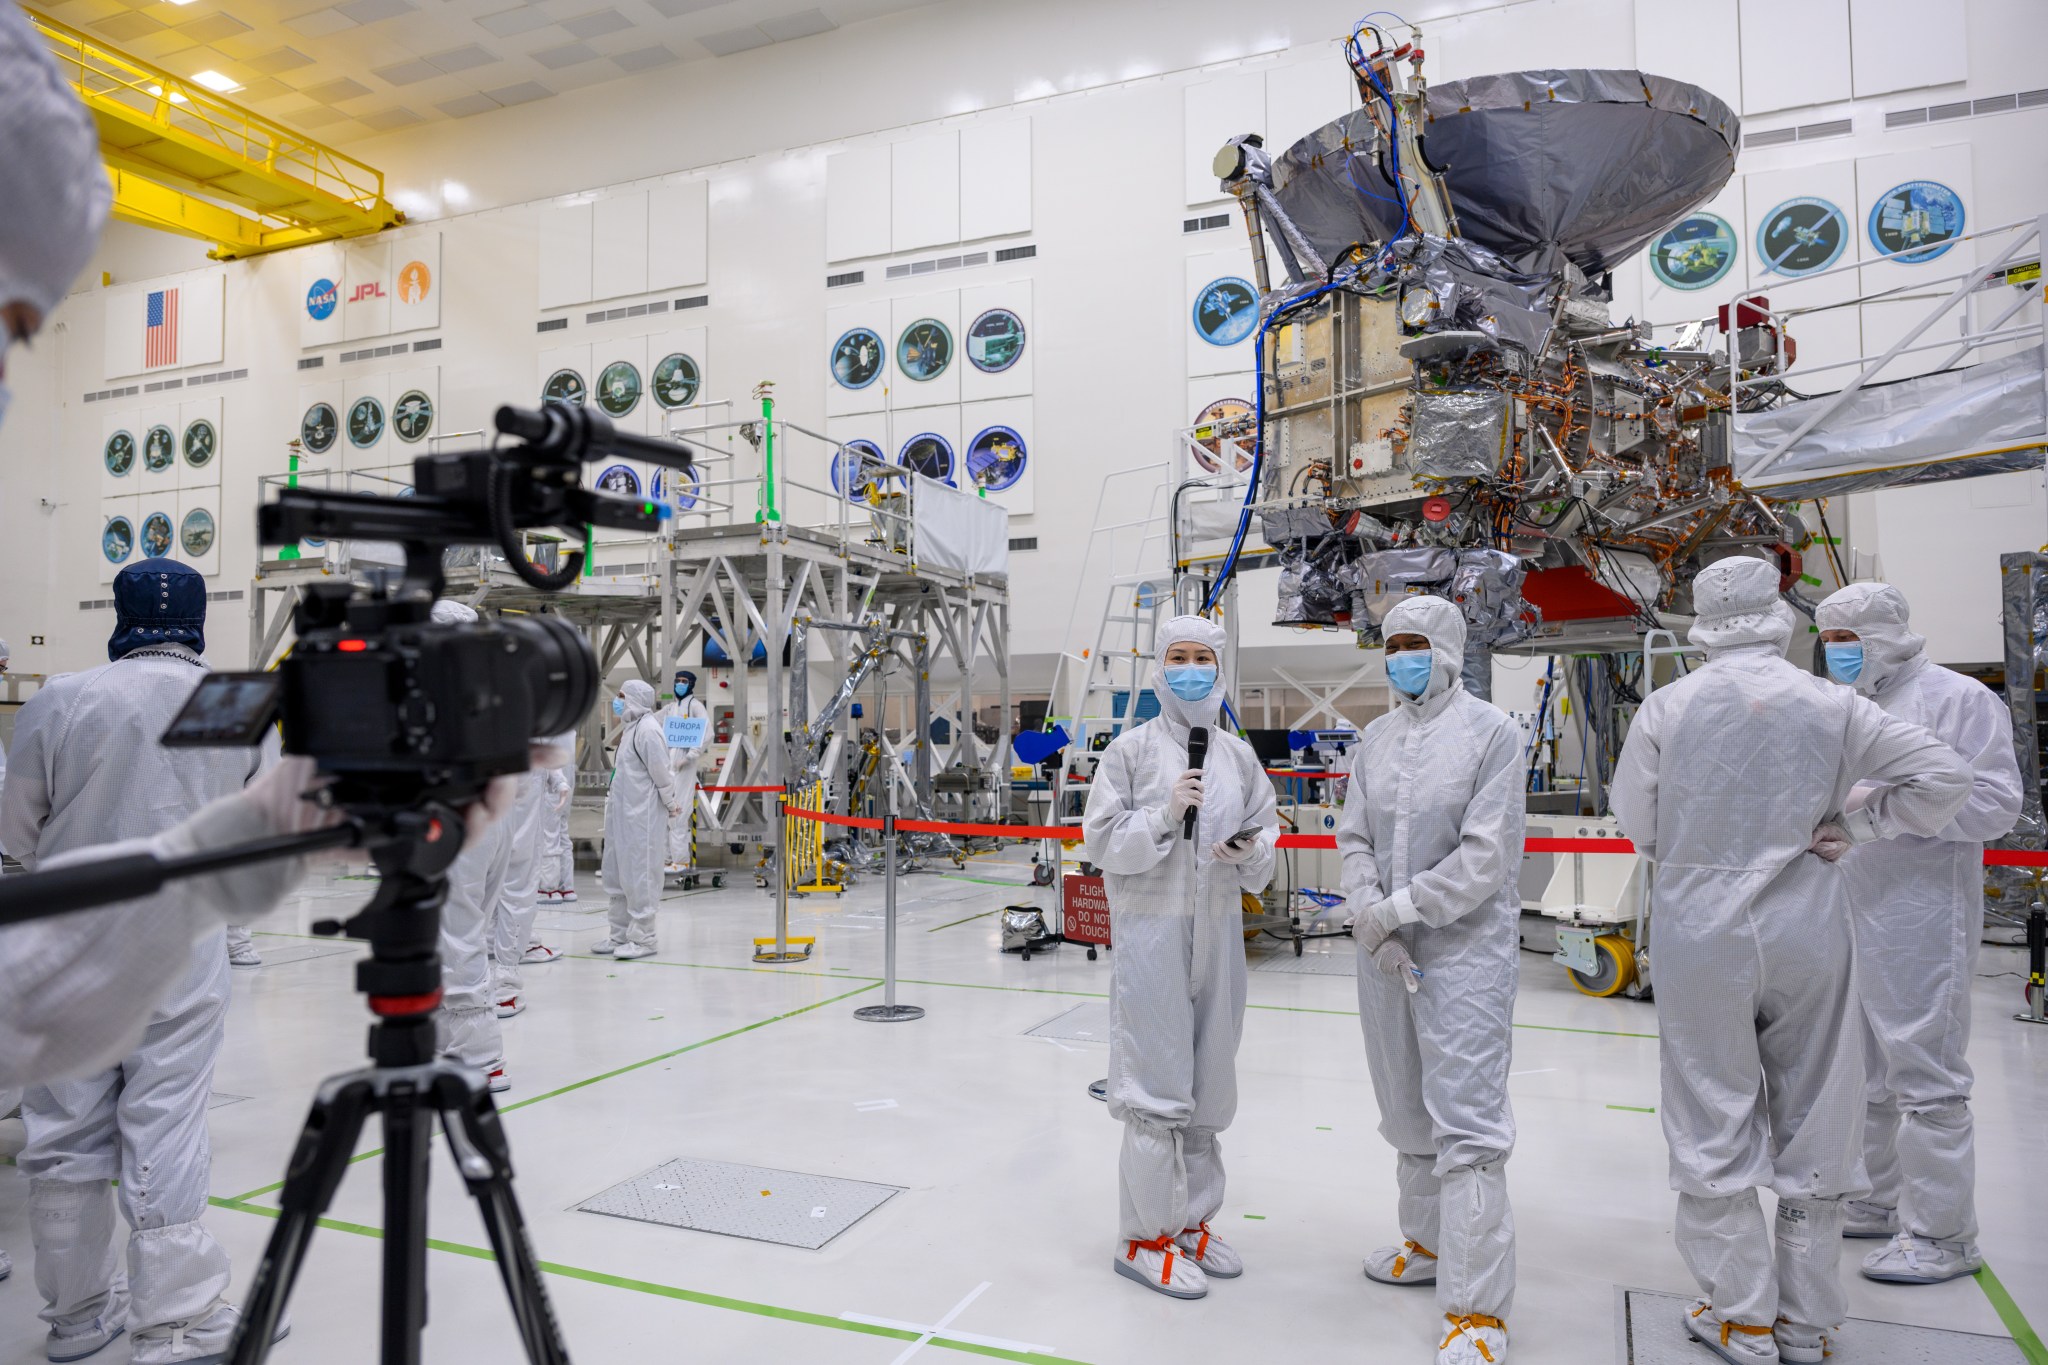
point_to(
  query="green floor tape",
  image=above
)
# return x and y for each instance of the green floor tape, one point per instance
(667, 1291)
(2023, 1334)
(969, 920)
(619, 1071)
(1632, 1108)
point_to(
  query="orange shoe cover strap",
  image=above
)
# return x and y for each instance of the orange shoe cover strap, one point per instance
(1202, 1246)
(1401, 1261)
(1163, 1243)
(1459, 1326)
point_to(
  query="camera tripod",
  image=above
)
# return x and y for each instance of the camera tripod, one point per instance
(406, 1084)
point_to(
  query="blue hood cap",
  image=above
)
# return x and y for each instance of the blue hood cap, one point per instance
(158, 602)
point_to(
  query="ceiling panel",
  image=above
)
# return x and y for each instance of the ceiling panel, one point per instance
(350, 68)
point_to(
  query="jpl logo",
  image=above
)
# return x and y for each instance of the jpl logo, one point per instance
(320, 300)
(372, 290)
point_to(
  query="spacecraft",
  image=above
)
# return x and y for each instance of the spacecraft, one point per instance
(1447, 402)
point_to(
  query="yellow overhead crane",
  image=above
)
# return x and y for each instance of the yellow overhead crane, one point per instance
(184, 160)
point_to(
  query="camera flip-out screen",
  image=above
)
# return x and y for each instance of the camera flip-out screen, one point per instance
(227, 709)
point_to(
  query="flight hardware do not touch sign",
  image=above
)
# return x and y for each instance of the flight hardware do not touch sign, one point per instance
(684, 732)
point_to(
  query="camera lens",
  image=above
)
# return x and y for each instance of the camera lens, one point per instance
(561, 672)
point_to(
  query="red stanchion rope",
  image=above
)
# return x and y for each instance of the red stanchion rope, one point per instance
(1993, 857)
(705, 787)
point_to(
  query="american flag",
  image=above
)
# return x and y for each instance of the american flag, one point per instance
(160, 335)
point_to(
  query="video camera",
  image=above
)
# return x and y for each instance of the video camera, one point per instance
(392, 705)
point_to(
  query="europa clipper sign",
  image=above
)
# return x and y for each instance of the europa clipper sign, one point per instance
(358, 291)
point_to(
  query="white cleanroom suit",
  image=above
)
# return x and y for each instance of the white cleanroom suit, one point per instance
(557, 851)
(687, 706)
(512, 940)
(1727, 779)
(636, 814)
(88, 769)
(1177, 987)
(1431, 840)
(1917, 909)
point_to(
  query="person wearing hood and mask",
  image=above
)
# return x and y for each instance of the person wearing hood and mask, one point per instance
(89, 769)
(1917, 916)
(511, 928)
(1736, 781)
(637, 810)
(1431, 839)
(1177, 994)
(686, 706)
(558, 851)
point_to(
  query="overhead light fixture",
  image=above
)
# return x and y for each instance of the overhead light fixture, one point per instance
(454, 192)
(176, 98)
(181, 3)
(214, 81)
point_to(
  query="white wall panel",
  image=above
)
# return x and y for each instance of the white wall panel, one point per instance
(854, 354)
(1778, 248)
(564, 361)
(1593, 33)
(618, 384)
(120, 453)
(1303, 96)
(415, 415)
(1905, 45)
(1212, 113)
(1895, 208)
(366, 441)
(416, 283)
(924, 331)
(200, 454)
(857, 203)
(158, 448)
(321, 275)
(618, 246)
(200, 519)
(679, 380)
(156, 532)
(1696, 265)
(678, 234)
(366, 290)
(995, 179)
(1698, 42)
(907, 427)
(565, 240)
(924, 191)
(989, 432)
(998, 331)
(320, 413)
(120, 541)
(1794, 54)
(1210, 397)
(1221, 312)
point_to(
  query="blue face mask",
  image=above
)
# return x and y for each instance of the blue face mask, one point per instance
(1845, 662)
(618, 706)
(682, 688)
(1191, 682)
(1409, 671)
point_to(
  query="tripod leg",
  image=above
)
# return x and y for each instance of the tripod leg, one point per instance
(476, 1136)
(408, 1142)
(318, 1163)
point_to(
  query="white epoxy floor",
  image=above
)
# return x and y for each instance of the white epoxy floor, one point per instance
(1004, 1230)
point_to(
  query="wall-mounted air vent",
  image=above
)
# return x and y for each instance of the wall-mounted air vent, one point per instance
(430, 344)
(1207, 223)
(312, 362)
(552, 325)
(841, 281)
(937, 264)
(630, 310)
(694, 301)
(1955, 109)
(1024, 542)
(1016, 253)
(378, 352)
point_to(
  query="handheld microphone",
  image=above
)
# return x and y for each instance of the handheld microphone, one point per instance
(1198, 755)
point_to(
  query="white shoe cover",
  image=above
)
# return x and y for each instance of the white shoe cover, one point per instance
(244, 957)
(1217, 1258)
(1800, 1345)
(1162, 1270)
(628, 951)
(537, 952)
(565, 896)
(1919, 1260)
(499, 1081)
(1873, 1222)
(1407, 1263)
(1473, 1340)
(604, 947)
(511, 1007)
(188, 1342)
(1736, 1343)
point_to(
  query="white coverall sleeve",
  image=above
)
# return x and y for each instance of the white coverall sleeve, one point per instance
(1488, 850)
(1924, 783)
(1982, 738)
(1360, 874)
(1120, 837)
(1632, 796)
(78, 990)
(1261, 809)
(653, 751)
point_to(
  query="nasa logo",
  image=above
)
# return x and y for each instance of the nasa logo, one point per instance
(414, 280)
(320, 300)
(372, 290)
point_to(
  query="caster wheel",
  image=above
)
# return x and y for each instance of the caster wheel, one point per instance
(1091, 954)
(1027, 954)
(718, 881)
(1616, 971)
(1297, 947)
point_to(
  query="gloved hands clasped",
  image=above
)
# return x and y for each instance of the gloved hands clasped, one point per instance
(1830, 842)
(1374, 930)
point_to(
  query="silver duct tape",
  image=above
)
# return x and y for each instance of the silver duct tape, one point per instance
(2023, 592)
(1458, 434)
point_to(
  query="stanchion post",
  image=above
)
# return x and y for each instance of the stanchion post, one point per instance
(781, 951)
(889, 1012)
(2037, 958)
